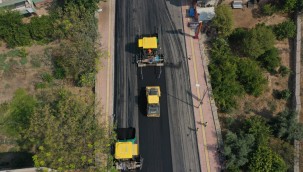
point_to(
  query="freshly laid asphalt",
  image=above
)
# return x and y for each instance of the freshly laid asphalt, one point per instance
(167, 143)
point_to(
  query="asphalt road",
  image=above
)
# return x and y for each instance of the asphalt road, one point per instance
(166, 143)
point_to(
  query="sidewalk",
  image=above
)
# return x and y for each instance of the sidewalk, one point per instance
(104, 78)
(203, 105)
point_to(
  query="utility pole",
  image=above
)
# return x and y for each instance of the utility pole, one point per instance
(198, 29)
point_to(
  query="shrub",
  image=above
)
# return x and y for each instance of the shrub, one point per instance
(46, 77)
(87, 79)
(269, 9)
(23, 60)
(22, 53)
(251, 77)
(284, 71)
(288, 5)
(270, 60)
(18, 36)
(40, 85)
(59, 72)
(41, 28)
(284, 94)
(286, 29)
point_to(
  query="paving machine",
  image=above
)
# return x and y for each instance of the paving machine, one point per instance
(153, 101)
(127, 155)
(150, 54)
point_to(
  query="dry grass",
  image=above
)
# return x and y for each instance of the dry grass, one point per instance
(22, 72)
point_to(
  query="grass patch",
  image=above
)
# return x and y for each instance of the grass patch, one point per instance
(35, 61)
(3, 58)
(13, 53)
(23, 60)
(9, 67)
(47, 77)
(40, 85)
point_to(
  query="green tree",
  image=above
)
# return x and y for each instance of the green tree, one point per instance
(278, 163)
(269, 9)
(12, 30)
(284, 71)
(65, 132)
(21, 109)
(223, 20)
(41, 28)
(261, 160)
(284, 94)
(259, 129)
(288, 5)
(286, 29)
(284, 149)
(237, 149)
(257, 41)
(251, 77)
(223, 70)
(270, 60)
(287, 127)
(265, 160)
(76, 59)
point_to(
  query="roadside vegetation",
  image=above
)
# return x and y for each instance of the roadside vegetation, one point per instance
(54, 118)
(241, 61)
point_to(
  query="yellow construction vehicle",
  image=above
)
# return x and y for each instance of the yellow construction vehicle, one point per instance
(127, 155)
(153, 101)
(150, 51)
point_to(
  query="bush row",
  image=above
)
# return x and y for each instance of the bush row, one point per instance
(16, 33)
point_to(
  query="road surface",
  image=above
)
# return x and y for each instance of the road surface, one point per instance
(167, 143)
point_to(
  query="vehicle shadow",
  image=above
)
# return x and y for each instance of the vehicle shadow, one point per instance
(142, 101)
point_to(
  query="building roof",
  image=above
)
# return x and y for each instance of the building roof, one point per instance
(148, 42)
(206, 13)
(4, 3)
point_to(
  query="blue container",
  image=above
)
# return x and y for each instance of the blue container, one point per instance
(191, 12)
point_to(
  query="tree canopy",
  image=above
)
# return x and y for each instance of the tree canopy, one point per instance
(41, 28)
(247, 147)
(257, 41)
(286, 29)
(270, 60)
(223, 72)
(223, 20)
(65, 132)
(21, 109)
(285, 126)
(251, 77)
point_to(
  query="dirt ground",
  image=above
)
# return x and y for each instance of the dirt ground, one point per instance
(17, 72)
